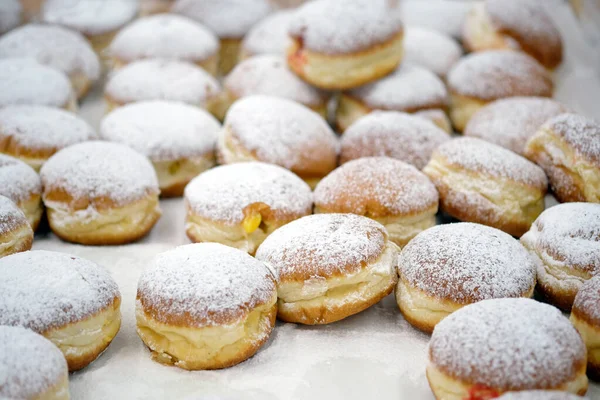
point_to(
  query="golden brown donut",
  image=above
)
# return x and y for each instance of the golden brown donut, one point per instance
(539, 395)
(269, 36)
(431, 49)
(22, 185)
(585, 317)
(11, 15)
(16, 234)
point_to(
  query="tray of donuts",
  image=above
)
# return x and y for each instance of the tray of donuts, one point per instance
(261, 199)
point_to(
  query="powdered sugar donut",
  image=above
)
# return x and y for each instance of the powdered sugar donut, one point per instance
(431, 49)
(409, 89)
(100, 193)
(205, 306)
(278, 131)
(11, 15)
(439, 15)
(501, 345)
(179, 139)
(585, 316)
(341, 45)
(241, 204)
(391, 192)
(21, 184)
(269, 36)
(539, 395)
(16, 234)
(166, 36)
(71, 301)
(32, 367)
(447, 267)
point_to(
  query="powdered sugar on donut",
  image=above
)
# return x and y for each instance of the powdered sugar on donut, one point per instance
(430, 49)
(10, 14)
(18, 181)
(269, 36)
(11, 217)
(587, 301)
(580, 132)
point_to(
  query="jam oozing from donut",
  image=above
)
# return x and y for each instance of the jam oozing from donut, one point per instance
(253, 217)
(481, 392)
(298, 57)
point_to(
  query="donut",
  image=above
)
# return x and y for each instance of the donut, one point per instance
(481, 182)
(521, 25)
(409, 89)
(16, 234)
(342, 45)
(11, 15)
(34, 133)
(151, 7)
(438, 15)
(239, 205)
(166, 36)
(278, 131)
(179, 139)
(205, 306)
(539, 395)
(230, 20)
(447, 267)
(503, 345)
(392, 134)
(57, 47)
(585, 316)
(567, 147)
(32, 367)
(481, 78)
(512, 121)
(269, 36)
(269, 75)
(100, 193)
(393, 193)
(71, 301)
(431, 49)
(22, 185)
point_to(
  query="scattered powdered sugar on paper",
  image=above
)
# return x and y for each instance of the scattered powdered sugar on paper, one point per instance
(18, 181)
(269, 36)
(587, 301)
(11, 217)
(10, 14)
(539, 395)
(430, 49)
(580, 132)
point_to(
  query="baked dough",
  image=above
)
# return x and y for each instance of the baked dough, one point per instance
(431, 49)
(585, 316)
(16, 234)
(22, 185)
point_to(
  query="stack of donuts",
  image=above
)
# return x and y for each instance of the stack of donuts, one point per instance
(327, 155)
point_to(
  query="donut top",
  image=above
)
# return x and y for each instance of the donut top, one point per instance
(10, 14)
(338, 27)
(439, 15)
(581, 133)
(30, 364)
(11, 217)
(430, 49)
(393, 134)
(269, 36)
(162, 130)
(503, 344)
(539, 395)
(167, 36)
(204, 284)
(323, 246)
(18, 181)
(466, 262)
(224, 192)
(490, 75)
(586, 305)
(44, 290)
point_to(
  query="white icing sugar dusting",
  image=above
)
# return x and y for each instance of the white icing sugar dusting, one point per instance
(587, 301)
(539, 395)
(11, 217)
(209, 283)
(269, 36)
(439, 15)
(18, 181)
(161, 130)
(502, 343)
(430, 49)
(44, 290)
(582, 133)
(10, 15)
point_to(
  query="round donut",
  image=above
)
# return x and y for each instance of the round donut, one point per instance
(481, 78)
(32, 367)
(585, 316)
(512, 121)
(392, 134)
(504, 345)
(100, 193)
(438, 15)
(16, 234)
(431, 49)
(539, 395)
(393, 193)
(34, 133)
(205, 306)
(57, 47)
(330, 266)
(22, 185)
(166, 36)
(269, 75)
(71, 301)
(342, 45)
(481, 182)
(447, 267)
(239, 205)
(410, 89)
(278, 131)
(269, 36)
(11, 15)
(567, 147)
(520, 25)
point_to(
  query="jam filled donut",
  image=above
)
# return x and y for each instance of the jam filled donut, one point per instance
(511, 122)
(565, 243)
(11, 15)
(166, 36)
(393, 193)
(16, 234)
(278, 131)
(57, 47)
(504, 345)
(484, 183)
(393, 134)
(410, 89)
(567, 147)
(71, 301)
(431, 49)
(100, 193)
(34, 133)
(540, 395)
(481, 78)
(179, 139)
(520, 25)
(269, 36)
(585, 316)
(22, 185)
(450, 266)
(32, 367)
(341, 45)
(241, 204)
(205, 306)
